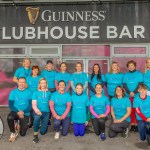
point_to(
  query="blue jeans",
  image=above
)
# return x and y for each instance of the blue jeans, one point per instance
(79, 129)
(65, 125)
(44, 121)
(144, 129)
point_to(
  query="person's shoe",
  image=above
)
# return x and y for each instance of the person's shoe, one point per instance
(103, 136)
(126, 133)
(132, 128)
(57, 134)
(35, 139)
(13, 137)
(30, 125)
(135, 129)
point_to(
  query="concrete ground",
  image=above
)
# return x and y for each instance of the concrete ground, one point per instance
(89, 142)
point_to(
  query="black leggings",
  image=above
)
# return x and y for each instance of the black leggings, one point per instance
(116, 128)
(12, 116)
(99, 125)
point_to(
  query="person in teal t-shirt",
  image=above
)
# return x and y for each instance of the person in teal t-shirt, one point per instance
(80, 103)
(99, 108)
(63, 75)
(20, 106)
(95, 78)
(131, 80)
(23, 71)
(142, 107)
(146, 77)
(40, 105)
(120, 112)
(79, 77)
(113, 79)
(49, 74)
(60, 107)
(33, 80)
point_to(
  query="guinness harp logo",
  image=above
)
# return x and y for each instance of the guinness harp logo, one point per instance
(33, 14)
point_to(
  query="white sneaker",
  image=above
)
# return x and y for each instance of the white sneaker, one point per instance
(126, 133)
(57, 134)
(13, 137)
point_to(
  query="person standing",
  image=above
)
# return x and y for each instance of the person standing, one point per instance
(131, 80)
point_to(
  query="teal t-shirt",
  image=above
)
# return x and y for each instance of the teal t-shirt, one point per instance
(79, 78)
(132, 79)
(32, 82)
(146, 77)
(50, 77)
(22, 72)
(95, 81)
(60, 102)
(99, 104)
(21, 98)
(113, 80)
(63, 76)
(144, 106)
(42, 98)
(79, 104)
(120, 107)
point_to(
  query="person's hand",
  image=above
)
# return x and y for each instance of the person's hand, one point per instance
(21, 114)
(117, 121)
(58, 117)
(131, 94)
(102, 116)
(86, 123)
(148, 120)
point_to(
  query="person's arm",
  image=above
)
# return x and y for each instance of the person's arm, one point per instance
(66, 111)
(138, 111)
(56, 84)
(91, 88)
(72, 86)
(35, 108)
(15, 79)
(112, 113)
(126, 115)
(126, 88)
(85, 85)
(52, 109)
(11, 106)
(68, 87)
(93, 112)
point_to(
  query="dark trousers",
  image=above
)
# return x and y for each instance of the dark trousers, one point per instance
(144, 129)
(116, 128)
(99, 125)
(65, 125)
(12, 116)
(44, 121)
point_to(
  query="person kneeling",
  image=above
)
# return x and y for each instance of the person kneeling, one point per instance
(120, 112)
(40, 104)
(20, 106)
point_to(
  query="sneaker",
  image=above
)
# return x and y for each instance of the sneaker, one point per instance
(135, 129)
(30, 125)
(126, 133)
(13, 137)
(132, 128)
(103, 136)
(35, 139)
(57, 134)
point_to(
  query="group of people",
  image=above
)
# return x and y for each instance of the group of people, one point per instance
(63, 98)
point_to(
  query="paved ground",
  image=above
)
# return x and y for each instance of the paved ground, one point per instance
(89, 142)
